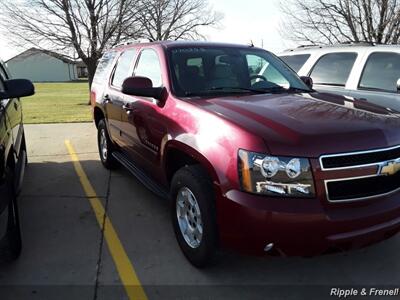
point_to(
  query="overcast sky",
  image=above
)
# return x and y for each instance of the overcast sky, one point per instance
(244, 21)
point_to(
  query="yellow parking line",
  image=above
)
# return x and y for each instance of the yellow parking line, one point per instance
(124, 266)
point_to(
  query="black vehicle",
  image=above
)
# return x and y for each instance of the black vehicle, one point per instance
(13, 159)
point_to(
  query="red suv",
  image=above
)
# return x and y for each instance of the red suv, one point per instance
(249, 155)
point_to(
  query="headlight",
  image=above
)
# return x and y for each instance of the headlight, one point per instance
(275, 176)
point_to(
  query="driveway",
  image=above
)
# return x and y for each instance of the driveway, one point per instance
(68, 255)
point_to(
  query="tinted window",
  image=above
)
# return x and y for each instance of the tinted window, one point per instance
(202, 71)
(104, 66)
(123, 69)
(333, 69)
(259, 66)
(381, 72)
(296, 62)
(149, 66)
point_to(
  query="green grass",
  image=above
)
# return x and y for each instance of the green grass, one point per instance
(58, 103)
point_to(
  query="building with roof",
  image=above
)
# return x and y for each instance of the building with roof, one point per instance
(44, 66)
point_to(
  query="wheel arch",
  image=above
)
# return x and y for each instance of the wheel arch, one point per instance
(98, 115)
(177, 155)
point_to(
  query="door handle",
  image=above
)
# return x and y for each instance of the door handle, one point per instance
(127, 108)
(107, 99)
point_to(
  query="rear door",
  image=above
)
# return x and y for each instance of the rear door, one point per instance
(378, 81)
(114, 99)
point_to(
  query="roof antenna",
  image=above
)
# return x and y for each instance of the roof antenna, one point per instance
(251, 44)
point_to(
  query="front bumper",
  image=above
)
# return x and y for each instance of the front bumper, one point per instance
(304, 227)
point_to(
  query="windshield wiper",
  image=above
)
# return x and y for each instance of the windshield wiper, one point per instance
(236, 89)
(293, 89)
(274, 89)
(224, 90)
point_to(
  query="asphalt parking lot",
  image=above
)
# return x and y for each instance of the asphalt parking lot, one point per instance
(66, 254)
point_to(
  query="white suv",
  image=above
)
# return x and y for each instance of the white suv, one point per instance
(364, 72)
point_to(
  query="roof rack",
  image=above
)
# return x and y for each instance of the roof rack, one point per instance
(130, 42)
(344, 44)
(307, 46)
(358, 44)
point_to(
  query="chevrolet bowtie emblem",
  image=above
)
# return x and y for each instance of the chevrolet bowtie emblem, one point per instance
(389, 167)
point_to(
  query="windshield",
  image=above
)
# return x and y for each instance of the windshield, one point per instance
(201, 71)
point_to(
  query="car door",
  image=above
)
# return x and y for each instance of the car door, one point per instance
(5, 136)
(143, 126)
(378, 81)
(332, 71)
(14, 115)
(113, 98)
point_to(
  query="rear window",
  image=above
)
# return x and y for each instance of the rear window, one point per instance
(104, 66)
(381, 72)
(333, 69)
(296, 62)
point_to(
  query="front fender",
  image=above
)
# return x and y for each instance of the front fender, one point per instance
(194, 153)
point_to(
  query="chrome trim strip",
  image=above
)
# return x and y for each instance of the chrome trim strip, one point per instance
(354, 199)
(355, 153)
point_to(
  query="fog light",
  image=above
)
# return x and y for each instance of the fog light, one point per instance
(275, 189)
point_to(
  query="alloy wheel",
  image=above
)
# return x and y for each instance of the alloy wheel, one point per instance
(189, 217)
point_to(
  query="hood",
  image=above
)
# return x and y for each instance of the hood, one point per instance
(310, 124)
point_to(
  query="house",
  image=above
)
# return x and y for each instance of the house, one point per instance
(82, 70)
(45, 66)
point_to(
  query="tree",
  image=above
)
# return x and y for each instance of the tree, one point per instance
(84, 27)
(175, 19)
(341, 21)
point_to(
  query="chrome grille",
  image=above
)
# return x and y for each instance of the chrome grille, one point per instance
(340, 161)
(384, 182)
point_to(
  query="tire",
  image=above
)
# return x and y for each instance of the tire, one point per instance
(11, 243)
(188, 184)
(106, 147)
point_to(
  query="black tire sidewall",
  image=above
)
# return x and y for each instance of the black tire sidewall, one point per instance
(197, 181)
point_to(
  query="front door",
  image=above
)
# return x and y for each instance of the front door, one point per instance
(142, 122)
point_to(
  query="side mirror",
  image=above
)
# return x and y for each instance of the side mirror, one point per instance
(141, 86)
(308, 81)
(398, 85)
(17, 88)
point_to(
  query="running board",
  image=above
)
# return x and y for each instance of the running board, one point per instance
(140, 175)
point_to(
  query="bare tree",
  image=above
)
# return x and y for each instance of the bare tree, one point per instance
(340, 21)
(175, 19)
(84, 27)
